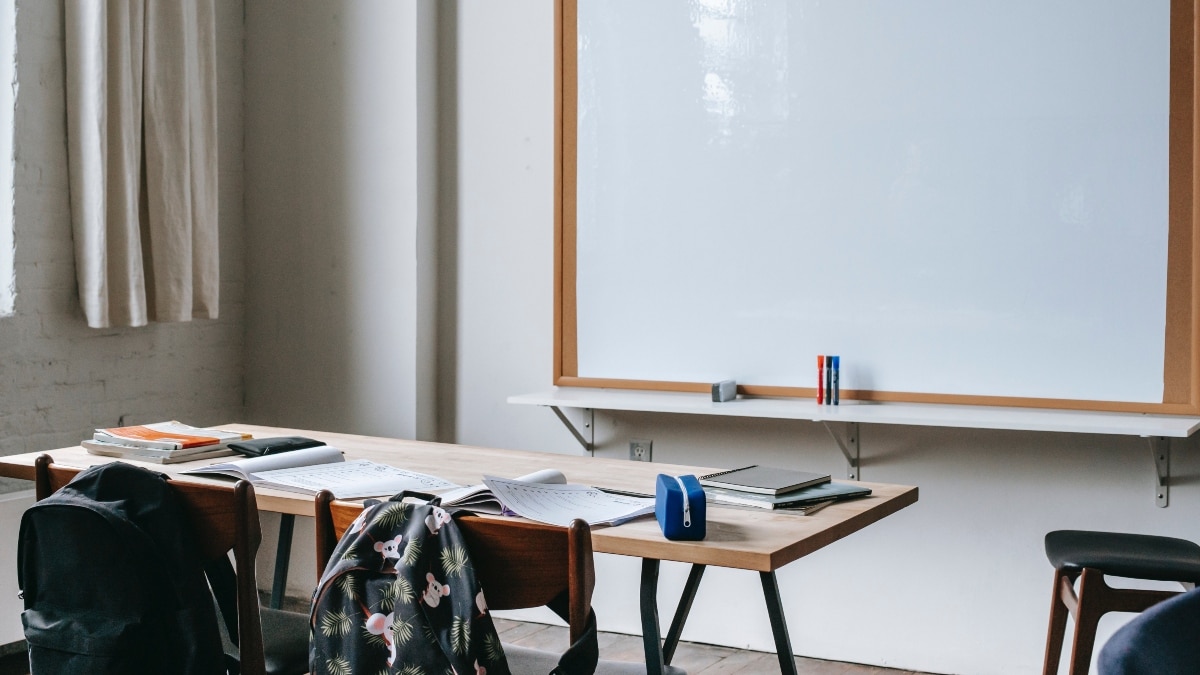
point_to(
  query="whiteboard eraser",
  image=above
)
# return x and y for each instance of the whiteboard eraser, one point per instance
(724, 391)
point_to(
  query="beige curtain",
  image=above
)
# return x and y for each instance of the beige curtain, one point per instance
(142, 156)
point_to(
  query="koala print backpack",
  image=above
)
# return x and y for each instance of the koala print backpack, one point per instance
(399, 596)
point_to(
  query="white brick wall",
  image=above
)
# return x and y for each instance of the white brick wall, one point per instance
(12, 505)
(59, 378)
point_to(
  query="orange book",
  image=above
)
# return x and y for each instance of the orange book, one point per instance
(168, 436)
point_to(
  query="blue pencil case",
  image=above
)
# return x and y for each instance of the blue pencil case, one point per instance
(679, 507)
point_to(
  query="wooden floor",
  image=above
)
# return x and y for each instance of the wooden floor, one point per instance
(14, 664)
(696, 659)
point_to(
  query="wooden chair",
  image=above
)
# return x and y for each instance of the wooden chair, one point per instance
(226, 519)
(1088, 556)
(519, 564)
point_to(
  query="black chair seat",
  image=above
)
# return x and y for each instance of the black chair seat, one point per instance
(1136, 556)
(285, 641)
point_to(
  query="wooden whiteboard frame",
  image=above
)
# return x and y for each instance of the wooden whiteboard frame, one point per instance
(1181, 362)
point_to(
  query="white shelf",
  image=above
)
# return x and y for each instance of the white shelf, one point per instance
(915, 414)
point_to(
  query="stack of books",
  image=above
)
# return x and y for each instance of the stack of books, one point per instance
(162, 442)
(769, 487)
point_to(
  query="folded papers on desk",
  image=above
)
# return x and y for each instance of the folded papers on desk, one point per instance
(311, 470)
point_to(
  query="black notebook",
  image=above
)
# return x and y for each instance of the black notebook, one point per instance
(767, 480)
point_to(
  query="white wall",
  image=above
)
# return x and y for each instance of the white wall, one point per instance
(341, 136)
(340, 131)
(957, 583)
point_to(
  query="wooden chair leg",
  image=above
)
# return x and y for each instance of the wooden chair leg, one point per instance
(1094, 599)
(1094, 602)
(1057, 631)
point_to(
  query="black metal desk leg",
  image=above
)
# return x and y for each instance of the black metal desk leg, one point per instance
(783, 643)
(682, 611)
(283, 555)
(651, 641)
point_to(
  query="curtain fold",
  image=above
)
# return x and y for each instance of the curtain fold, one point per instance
(142, 158)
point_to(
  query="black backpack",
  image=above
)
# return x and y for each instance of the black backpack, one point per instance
(113, 582)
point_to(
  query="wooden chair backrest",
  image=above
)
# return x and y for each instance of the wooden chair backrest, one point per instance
(226, 519)
(519, 563)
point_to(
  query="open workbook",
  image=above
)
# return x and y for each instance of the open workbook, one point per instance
(311, 470)
(480, 498)
(547, 497)
(544, 496)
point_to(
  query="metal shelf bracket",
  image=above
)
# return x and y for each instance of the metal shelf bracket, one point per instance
(589, 419)
(849, 447)
(1161, 447)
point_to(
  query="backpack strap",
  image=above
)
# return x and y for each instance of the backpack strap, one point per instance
(583, 654)
(424, 496)
(223, 582)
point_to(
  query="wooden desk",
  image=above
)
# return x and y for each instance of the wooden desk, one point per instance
(761, 541)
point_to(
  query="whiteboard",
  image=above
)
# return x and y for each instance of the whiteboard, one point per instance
(958, 197)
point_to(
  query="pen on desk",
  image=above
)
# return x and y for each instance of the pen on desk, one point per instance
(837, 375)
(809, 510)
(820, 378)
(625, 493)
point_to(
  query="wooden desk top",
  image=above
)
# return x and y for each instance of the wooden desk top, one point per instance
(741, 538)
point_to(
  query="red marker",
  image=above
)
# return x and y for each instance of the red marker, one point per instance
(820, 378)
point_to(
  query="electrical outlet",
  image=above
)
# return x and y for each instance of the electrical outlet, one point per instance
(639, 450)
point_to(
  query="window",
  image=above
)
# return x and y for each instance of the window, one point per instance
(8, 90)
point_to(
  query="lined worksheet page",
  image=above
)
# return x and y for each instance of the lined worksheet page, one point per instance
(560, 504)
(348, 480)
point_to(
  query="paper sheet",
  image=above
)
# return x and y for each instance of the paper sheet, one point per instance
(560, 504)
(247, 468)
(479, 498)
(311, 470)
(351, 480)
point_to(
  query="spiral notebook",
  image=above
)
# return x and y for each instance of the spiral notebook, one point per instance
(762, 479)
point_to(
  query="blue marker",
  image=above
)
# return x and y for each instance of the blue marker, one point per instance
(836, 376)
